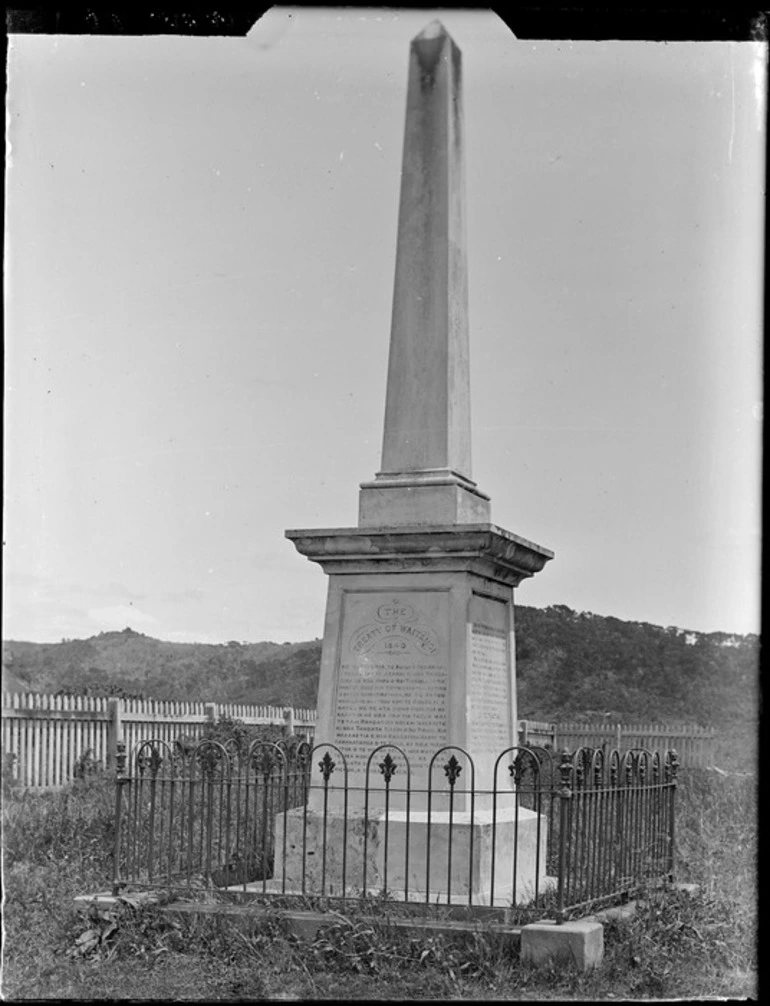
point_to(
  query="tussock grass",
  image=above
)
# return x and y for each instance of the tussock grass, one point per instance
(57, 845)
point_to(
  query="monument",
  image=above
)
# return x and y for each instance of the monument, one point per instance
(418, 645)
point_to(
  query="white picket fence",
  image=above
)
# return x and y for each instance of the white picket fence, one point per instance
(45, 736)
(694, 745)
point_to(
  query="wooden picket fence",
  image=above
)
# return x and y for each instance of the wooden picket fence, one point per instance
(695, 746)
(46, 737)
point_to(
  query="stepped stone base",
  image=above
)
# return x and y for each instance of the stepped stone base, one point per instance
(336, 856)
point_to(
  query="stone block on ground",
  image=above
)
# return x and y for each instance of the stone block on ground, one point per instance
(546, 943)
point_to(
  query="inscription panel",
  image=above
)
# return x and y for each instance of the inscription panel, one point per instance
(393, 675)
(490, 676)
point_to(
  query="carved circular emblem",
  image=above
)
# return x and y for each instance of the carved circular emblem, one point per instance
(396, 611)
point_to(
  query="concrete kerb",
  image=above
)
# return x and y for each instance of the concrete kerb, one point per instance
(542, 944)
(303, 923)
(108, 901)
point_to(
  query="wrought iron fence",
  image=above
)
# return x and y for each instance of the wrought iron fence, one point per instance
(545, 836)
(616, 824)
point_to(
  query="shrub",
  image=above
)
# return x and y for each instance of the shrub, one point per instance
(235, 734)
(86, 765)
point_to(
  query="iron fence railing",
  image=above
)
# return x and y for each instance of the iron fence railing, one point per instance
(546, 835)
(616, 824)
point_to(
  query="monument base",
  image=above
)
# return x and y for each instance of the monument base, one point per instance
(435, 500)
(438, 859)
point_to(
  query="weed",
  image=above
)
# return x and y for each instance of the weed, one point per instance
(86, 765)
(59, 844)
(75, 823)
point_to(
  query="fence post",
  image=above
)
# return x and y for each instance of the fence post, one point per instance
(288, 718)
(120, 782)
(565, 796)
(673, 766)
(210, 709)
(114, 731)
(618, 736)
(523, 733)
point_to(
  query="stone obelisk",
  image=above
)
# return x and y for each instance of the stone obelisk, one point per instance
(418, 647)
(425, 475)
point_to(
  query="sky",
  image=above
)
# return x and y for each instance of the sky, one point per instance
(199, 258)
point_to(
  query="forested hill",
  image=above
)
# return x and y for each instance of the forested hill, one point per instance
(578, 665)
(570, 665)
(130, 664)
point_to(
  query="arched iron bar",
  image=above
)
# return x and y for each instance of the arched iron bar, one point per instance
(208, 754)
(516, 769)
(147, 762)
(580, 760)
(596, 820)
(296, 783)
(266, 765)
(205, 758)
(227, 847)
(388, 768)
(327, 766)
(211, 759)
(589, 764)
(614, 817)
(549, 785)
(670, 771)
(452, 771)
(295, 755)
(642, 848)
(155, 761)
(233, 750)
(585, 758)
(567, 773)
(636, 752)
(303, 762)
(266, 759)
(633, 766)
(657, 796)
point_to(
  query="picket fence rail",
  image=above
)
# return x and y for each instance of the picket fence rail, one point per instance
(46, 737)
(694, 745)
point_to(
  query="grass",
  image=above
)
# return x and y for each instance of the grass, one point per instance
(57, 845)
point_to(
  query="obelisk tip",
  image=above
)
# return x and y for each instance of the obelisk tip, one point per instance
(431, 33)
(434, 30)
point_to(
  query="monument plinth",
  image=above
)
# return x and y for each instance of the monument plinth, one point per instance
(418, 646)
